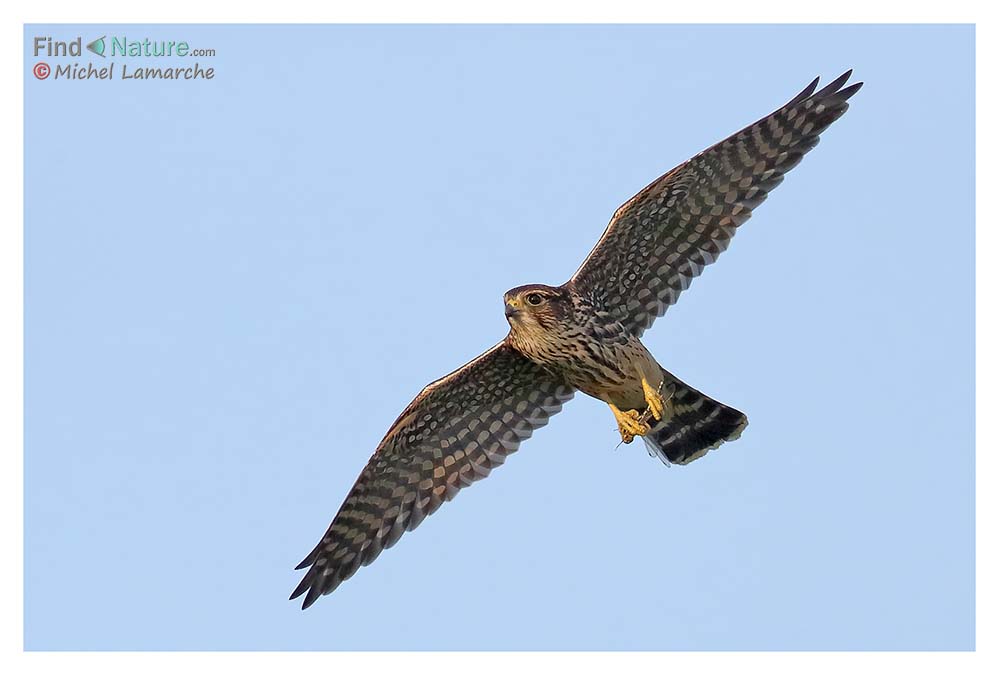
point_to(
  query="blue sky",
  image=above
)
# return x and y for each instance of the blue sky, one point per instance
(233, 286)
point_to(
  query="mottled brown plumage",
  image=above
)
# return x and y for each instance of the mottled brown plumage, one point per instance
(454, 433)
(663, 237)
(582, 335)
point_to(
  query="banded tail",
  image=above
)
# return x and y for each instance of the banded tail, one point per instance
(693, 424)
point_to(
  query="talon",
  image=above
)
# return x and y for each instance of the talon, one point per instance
(630, 423)
(654, 399)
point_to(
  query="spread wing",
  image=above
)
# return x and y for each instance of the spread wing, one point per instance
(665, 235)
(454, 433)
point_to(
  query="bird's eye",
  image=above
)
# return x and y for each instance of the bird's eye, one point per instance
(534, 299)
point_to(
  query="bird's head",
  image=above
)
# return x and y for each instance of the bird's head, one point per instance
(536, 307)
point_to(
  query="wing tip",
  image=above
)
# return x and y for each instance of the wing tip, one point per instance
(836, 88)
(847, 92)
(312, 588)
(303, 586)
(310, 600)
(804, 93)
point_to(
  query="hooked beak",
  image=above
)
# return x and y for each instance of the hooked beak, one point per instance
(512, 309)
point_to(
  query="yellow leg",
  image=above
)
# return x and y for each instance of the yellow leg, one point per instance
(629, 423)
(654, 399)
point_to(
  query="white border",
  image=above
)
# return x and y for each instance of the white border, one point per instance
(508, 11)
(13, 660)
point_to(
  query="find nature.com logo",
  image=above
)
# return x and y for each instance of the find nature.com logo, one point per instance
(119, 46)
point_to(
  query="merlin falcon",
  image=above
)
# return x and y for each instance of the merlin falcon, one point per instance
(583, 335)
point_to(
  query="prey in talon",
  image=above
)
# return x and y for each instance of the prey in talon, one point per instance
(631, 423)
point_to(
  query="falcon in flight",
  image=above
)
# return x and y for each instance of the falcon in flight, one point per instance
(583, 335)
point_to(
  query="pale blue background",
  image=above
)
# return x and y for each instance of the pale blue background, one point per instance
(232, 288)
